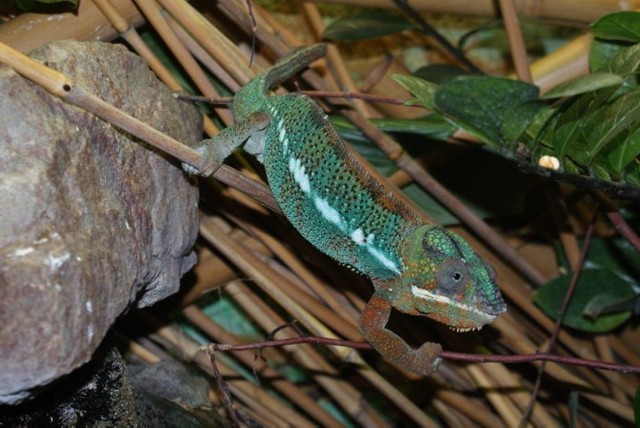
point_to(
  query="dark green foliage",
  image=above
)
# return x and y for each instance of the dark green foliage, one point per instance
(591, 124)
(27, 5)
(601, 284)
(368, 24)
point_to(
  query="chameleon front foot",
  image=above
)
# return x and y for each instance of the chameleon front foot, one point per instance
(392, 347)
(423, 360)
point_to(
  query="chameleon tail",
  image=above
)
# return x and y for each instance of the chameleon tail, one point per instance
(253, 94)
(291, 64)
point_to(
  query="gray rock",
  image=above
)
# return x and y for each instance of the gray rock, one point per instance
(92, 223)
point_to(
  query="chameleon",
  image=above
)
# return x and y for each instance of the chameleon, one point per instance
(415, 267)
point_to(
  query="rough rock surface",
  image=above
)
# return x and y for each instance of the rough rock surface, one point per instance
(98, 394)
(91, 222)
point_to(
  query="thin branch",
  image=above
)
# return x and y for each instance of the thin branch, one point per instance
(611, 188)
(572, 287)
(316, 94)
(254, 29)
(455, 356)
(561, 313)
(624, 229)
(225, 395)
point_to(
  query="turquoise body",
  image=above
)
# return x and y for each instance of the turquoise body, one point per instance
(416, 268)
(321, 189)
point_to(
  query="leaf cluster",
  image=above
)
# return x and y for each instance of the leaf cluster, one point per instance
(590, 124)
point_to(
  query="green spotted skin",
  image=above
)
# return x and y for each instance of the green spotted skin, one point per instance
(325, 193)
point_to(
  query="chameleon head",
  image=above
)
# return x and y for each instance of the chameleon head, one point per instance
(444, 279)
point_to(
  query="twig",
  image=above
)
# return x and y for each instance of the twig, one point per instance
(254, 28)
(227, 403)
(455, 356)
(316, 94)
(611, 188)
(624, 229)
(556, 327)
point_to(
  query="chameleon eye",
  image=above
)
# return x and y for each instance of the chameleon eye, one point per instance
(452, 275)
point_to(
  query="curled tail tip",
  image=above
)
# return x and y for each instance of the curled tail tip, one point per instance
(292, 63)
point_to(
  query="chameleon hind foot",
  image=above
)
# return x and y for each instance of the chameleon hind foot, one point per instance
(209, 161)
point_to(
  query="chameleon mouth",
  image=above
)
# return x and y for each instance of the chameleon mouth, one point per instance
(464, 330)
(483, 317)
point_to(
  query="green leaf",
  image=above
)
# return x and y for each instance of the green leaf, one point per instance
(616, 255)
(439, 73)
(625, 152)
(606, 304)
(592, 283)
(422, 89)
(611, 120)
(601, 52)
(568, 136)
(623, 26)
(625, 62)
(369, 24)
(480, 105)
(518, 119)
(582, 84)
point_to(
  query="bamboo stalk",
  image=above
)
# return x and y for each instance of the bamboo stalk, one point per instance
(469, 407)
(210, 38)
(189, 64)
(505, 408)
(198, 51)
(516, 41)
